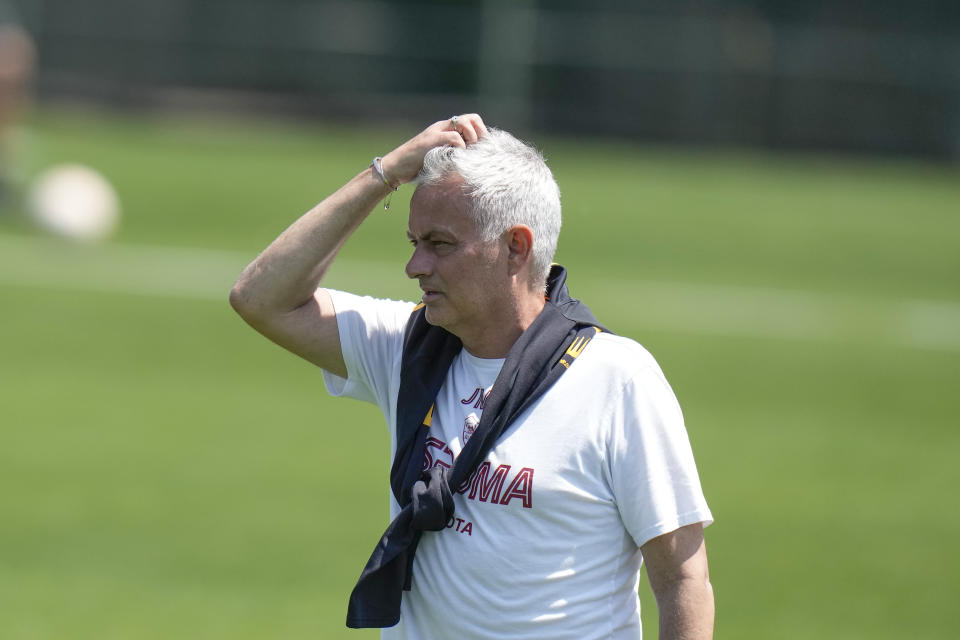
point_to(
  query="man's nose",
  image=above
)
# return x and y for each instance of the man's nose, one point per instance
(419, 264)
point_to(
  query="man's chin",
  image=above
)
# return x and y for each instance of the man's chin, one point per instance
(430, 315)
(433, 315)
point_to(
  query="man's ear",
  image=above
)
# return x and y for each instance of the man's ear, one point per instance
(520, 248)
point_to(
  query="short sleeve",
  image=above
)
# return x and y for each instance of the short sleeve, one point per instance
(654, 476)
(371, 340)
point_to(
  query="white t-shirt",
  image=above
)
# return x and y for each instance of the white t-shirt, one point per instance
(545, 540)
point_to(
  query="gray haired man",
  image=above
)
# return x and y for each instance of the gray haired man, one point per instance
(538, 459)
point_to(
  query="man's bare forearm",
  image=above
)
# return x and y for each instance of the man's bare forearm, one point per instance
(288, 272)
(686, 610)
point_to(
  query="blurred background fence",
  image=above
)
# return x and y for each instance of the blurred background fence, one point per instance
(881, 76)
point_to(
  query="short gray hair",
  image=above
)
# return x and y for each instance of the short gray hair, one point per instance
(507, 182)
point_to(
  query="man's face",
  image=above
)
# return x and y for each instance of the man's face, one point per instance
(464, 279)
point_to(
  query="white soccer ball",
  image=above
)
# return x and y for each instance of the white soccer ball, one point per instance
(74, 201)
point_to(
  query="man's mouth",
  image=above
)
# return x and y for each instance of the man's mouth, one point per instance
(430, 294)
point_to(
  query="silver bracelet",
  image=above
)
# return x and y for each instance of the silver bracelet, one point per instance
(378, 167)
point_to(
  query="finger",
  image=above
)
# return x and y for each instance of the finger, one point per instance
(467, 132)
(465, 125)
(442, 125)
(453, 139)
(476, 122)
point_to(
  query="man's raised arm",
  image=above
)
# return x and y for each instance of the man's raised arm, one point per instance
(277, 293)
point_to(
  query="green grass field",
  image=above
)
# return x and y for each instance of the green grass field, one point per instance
(167, 473)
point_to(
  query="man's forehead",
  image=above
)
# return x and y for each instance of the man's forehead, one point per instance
(450, 223)
(449, 190)
(439, 207)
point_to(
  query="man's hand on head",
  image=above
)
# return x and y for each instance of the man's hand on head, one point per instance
(404, 163)
(279, 292)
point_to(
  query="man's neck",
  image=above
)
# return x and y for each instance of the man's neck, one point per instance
(495, 339)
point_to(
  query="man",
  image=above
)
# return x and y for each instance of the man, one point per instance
(537, 457)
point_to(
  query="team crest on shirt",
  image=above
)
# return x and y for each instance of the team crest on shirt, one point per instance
(469, 426)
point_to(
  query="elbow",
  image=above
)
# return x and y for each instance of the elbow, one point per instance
(236, 299)
(240, 301)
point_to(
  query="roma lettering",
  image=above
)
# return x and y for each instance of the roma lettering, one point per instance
(485, 484)
(521, 487)
(483, 489)
(437, 454)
